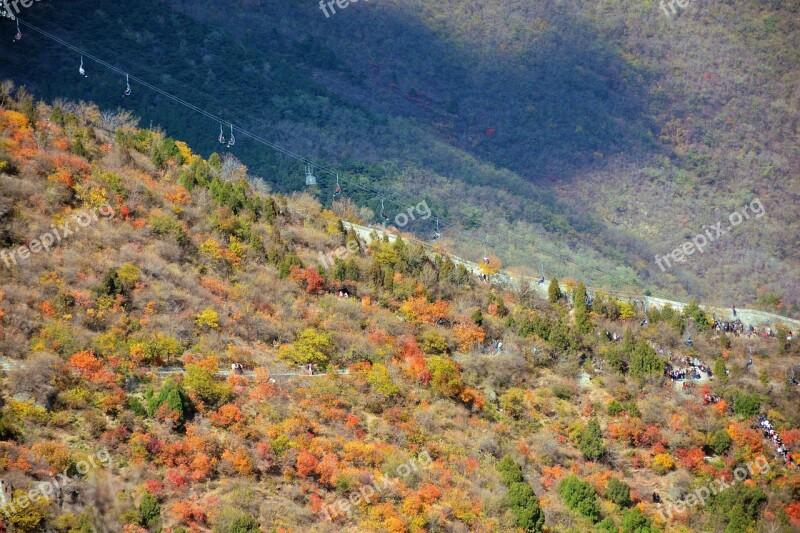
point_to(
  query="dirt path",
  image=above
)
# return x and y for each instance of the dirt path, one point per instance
(7, 364)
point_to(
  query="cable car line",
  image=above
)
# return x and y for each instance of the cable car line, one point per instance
(290, 153)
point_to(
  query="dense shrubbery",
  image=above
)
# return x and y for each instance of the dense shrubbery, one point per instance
(738, 507)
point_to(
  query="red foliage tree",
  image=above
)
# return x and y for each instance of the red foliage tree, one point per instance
(306, 464)
(790, 437)
(311, 280)
(793, 510)
(690, 459)
(176, 478)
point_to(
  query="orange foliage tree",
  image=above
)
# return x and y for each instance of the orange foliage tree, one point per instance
(87, 366)
(240, 461)
(744, 436)
(226, 416)
(468, 335)
(420, 309)
(415, 366)
(190, 512)
(328, 469)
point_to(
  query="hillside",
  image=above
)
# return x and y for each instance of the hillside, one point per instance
(586, 138)
(139, 272)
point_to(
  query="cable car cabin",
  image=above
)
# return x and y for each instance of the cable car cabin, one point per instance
(310, 178)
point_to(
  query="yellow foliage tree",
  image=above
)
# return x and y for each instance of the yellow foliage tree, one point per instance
(207, 319)
(626, 310)
(492, 267)
(663, 463)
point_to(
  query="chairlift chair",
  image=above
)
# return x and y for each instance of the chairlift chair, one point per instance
(338, 189)
(221, 135)
(18, 36)
(383, 212)
(310, 178)
(437, 235)
(232, 139)
(127, 86)
(81, 70)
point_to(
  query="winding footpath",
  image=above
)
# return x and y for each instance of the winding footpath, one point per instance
(747, 316)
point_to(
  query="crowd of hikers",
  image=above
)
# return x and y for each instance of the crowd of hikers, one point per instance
(772, 435)
(495, 346)
(736, 326)
(710, 399)
(681, 368)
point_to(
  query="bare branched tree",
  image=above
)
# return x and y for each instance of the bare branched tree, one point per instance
(119, 119)
(232, 168)
(6, 90)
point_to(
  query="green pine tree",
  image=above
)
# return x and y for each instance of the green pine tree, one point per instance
(582, 321)
(554, 291)
(591, 441)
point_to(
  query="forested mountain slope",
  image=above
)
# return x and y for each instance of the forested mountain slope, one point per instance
(433, 402)
(598, 131)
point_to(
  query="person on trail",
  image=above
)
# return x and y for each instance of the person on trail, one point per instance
(734, 311)
(310, 369)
